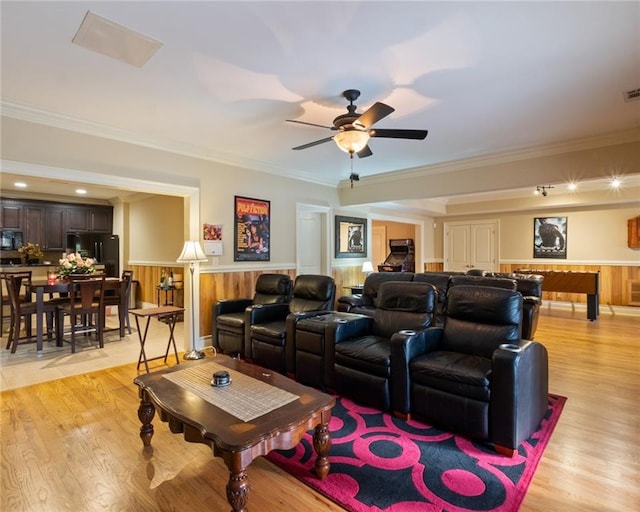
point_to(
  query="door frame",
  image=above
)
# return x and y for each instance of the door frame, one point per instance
(419, 228)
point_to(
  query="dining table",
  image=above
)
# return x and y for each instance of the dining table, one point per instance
(44, 286)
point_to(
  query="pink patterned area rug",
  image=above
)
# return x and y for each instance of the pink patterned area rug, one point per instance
(381, 463)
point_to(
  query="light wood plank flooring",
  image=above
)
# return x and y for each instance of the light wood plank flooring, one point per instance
(72, 443)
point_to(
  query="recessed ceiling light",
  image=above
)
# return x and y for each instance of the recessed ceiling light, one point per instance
(20, 184)
(81, 191)
(615, 183)
(572, 186)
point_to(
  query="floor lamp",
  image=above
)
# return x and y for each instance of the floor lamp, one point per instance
(192, 252)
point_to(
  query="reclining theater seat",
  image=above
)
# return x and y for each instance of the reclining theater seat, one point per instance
(270, 336)
(229, 316)
(475, 375)
(363, 359)
(530, 286)
(365, 304)
(441, 281)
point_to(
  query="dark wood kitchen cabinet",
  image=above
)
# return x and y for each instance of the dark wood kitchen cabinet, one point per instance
(54, 230)
(11, 216)
(33, 225)
(101, 219)
(47, 223)
(77, 218)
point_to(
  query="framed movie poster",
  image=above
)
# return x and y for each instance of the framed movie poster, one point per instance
(550, 237)
(351, 237)
(252, 228)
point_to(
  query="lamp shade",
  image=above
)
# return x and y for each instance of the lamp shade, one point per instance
(367, 267)
(351, 141)
(191, 252)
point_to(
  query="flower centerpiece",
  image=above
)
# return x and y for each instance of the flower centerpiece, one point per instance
(74, 263)
(31, 252)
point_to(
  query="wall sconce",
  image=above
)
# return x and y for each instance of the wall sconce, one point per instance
(542, 189)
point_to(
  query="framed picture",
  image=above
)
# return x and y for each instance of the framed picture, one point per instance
(550, 237)
(351, 237)
(251, 231)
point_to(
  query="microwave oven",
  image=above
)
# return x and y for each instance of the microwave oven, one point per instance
(10, 240)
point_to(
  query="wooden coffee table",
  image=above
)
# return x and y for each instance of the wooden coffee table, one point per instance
(184, 401)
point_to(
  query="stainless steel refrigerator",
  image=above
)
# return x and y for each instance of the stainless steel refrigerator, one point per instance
(105, 249)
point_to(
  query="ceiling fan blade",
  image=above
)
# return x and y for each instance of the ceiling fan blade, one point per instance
(364, 152)
(399, 134)
(311, 124)
(315, 143)
(376, 112)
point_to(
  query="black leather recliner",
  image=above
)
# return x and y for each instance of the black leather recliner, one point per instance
(363, 359)
(475, 375)
(229, 317)
(365, 303)
(270, 336)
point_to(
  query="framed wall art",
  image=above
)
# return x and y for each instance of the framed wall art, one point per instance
(550, 237)
(252, 229)
(351, 237)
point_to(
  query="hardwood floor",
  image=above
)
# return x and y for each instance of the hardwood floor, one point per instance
(72, 443)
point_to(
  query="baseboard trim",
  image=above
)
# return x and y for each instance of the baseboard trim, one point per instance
(581, 306)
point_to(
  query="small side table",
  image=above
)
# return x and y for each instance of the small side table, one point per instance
(167, 314)
(168, 295)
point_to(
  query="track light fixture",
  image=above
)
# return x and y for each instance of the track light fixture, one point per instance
(542, 189)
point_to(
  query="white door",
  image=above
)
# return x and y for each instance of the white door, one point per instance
(483, 247)
(379, 248)
(458, 244)
(471, 245)
(311, 241)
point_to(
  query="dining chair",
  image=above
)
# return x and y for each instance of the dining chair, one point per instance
(22, 308)
(85, 310)
(115, 299)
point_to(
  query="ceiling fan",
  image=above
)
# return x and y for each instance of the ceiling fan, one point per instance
(354, 129)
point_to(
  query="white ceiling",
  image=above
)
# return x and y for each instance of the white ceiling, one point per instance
(482, 77)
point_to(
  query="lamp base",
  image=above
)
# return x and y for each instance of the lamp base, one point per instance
(194, 354)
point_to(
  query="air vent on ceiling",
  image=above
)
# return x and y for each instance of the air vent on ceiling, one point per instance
(633, 94)
(114, 40)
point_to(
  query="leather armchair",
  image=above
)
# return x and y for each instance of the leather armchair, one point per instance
(475, 375)
(365, 303)
(270, 337)
(229, 317)
(363, 360)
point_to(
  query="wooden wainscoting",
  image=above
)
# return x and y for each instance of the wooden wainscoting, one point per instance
(228, 285)
(614, 282)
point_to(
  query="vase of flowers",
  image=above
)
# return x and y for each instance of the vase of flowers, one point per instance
(74, 263)
(31, 253)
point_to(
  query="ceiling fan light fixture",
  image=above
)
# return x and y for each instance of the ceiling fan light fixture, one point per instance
(351, 141)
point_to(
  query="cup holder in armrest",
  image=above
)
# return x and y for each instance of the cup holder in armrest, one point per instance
(511, 347)
(407, 332)
(341, 320)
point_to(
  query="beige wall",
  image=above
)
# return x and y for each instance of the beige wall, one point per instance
(597, 236)
(155, 228)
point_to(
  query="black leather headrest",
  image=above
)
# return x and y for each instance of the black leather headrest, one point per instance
(407, 296)
(497, 282)
(484, 304)
(273, 284)
(314, 287)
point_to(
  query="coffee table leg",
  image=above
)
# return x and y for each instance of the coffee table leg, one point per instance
(238, 490)
(146, 411)
(322, 444)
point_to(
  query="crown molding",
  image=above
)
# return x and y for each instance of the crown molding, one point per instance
(31, 114)
(599, 141)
